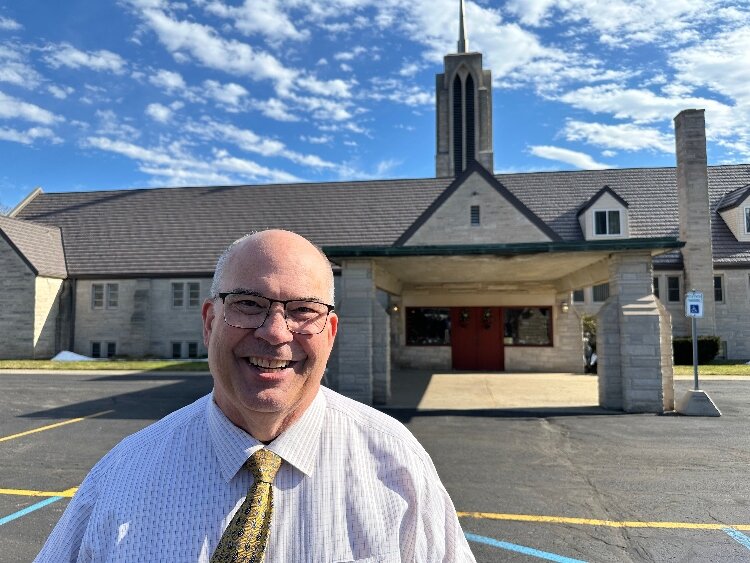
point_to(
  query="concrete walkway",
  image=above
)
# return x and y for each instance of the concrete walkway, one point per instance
(426, 390)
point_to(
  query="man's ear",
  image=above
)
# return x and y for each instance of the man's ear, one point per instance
(208, 314)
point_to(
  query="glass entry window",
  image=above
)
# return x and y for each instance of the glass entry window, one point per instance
(528, 326)
(428, 326)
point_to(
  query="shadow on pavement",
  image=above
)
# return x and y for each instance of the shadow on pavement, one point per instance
(150, 403)
(405, 415)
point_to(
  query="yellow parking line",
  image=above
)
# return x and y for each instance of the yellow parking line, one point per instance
(51, 426)
(609, 523)
(26, 493)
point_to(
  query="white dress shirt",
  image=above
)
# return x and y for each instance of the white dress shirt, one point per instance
(354, 485)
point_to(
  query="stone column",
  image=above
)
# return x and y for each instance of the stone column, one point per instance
(355, 353)
(695, 216)
(634, 340)
(381, 353)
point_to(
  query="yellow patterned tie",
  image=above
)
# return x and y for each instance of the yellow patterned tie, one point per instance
(245, 538)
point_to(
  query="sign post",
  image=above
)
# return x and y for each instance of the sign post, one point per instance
(696, 402)
(694, 309)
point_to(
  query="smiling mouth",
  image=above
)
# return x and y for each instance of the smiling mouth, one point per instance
(269, 365)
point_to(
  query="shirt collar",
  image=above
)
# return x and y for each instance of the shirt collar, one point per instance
(297, 445)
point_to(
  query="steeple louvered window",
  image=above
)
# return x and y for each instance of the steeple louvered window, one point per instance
(464, 122)
(458, 149)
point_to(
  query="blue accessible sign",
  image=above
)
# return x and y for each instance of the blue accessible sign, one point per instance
(694, 304)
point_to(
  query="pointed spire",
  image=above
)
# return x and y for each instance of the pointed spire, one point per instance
(463, 42)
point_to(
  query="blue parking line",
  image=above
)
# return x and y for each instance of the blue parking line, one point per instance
(738, 536)
(28, 509)
(521, 549)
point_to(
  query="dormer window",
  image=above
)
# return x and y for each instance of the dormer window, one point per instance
(607, 222)
(747, 220)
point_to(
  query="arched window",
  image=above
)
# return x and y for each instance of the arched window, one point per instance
(470, 123)
(458, 149)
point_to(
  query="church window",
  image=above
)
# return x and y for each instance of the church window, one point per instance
(579, 296)
(475, 218)
(747, 220)
(528, 326)
(428, 326)
(673, 288)
(719, 289)
(656, 286)
(601, 292)
(458, 149)
(470, 145)
(607, 222)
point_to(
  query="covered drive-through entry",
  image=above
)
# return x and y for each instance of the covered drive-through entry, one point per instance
(503, 307)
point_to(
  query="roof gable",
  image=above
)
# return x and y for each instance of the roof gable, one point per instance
(40, 246)
(598, 195)
(503, 218)
(733, 199)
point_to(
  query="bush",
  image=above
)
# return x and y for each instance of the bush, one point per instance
(708, 347)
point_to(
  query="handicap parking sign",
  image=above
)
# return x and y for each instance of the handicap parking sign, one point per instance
(694, 304)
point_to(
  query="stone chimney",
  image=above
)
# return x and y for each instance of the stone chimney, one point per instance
(695, 217)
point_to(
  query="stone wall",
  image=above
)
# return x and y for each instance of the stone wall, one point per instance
(17, 288)
(144, 323)
(499, 220)
(46, 309)
(733, 314)
(634, 340)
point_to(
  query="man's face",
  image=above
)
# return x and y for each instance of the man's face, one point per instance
(269, 369)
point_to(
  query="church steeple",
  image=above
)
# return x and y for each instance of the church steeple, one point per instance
(463, 42)
(463, 109)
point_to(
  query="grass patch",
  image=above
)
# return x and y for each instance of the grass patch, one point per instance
(140, 365)
(716, 368)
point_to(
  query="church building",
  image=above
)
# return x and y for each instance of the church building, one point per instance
(469, 270)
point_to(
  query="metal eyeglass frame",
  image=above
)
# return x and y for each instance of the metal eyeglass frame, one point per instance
(223, 297)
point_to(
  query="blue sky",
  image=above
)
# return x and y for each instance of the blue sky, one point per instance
(138, 93)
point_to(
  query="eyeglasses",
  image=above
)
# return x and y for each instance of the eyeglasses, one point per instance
(247, 310)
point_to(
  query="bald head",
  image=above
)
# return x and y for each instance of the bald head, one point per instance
(275, 245)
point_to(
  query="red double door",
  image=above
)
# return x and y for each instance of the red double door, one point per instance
(477, 338)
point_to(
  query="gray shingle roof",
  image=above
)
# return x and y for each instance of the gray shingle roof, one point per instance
(40, 245)
(733, 199)
(183, 230)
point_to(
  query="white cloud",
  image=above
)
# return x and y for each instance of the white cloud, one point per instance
(67, 55)
(109, 123)
(627, 137)
(349, 55)
(159, 113)
(638, 105)
(250, 141)
(60, 92)
(229, 94)
(168, 80)
(14, 69)
(202, 43)
(275, 109)
(409, 69)
(260, 18)
(577, 159)
(8, 24)
(13, 108)
(29, 136)
(320, 140)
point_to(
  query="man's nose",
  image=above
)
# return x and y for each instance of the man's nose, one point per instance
(274, 330)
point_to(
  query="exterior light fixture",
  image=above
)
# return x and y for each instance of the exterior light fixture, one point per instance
(564, 307)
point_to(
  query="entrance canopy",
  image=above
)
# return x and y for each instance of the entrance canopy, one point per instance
(562, 266)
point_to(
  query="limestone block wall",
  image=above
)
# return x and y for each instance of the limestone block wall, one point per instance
(423, 357)
(170, 324)
(354, 369)
(46, 310)
(499, 220)
(733, 313)
(103, 325)
(17, 288)
(144, 323)
(635, 369)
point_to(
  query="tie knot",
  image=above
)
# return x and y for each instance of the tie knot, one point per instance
(264, 464)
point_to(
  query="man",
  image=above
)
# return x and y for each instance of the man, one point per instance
(269, 466)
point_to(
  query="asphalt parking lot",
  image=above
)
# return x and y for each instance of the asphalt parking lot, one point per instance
(562, 484)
